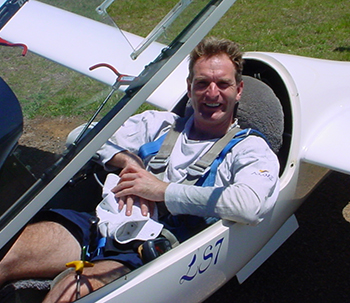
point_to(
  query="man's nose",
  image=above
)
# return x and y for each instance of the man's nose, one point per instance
(212, 90)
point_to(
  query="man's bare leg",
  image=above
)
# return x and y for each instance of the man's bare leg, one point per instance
(41, 251)
(92, 278)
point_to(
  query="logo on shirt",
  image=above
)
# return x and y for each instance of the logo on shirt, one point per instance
(264, 173)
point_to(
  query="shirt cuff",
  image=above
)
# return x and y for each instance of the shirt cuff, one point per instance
(106, 153)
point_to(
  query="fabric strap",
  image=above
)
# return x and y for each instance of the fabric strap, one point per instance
(198, 169)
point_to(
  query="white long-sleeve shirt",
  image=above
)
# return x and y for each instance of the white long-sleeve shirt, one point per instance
(246, 185)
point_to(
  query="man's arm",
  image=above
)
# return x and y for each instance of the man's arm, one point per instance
(246, 187)
(124, 159)
(245, 198)
(119, 151)
(136, 131)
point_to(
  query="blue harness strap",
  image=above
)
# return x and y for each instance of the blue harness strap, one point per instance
(151, 148)
(184, 226)
(208, 179)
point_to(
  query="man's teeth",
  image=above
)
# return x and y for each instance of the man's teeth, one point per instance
(212, 104)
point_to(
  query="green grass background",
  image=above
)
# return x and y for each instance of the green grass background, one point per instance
(312, 28)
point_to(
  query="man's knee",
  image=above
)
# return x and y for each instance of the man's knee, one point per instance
(50, 238)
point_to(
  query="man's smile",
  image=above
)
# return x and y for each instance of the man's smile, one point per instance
(212, 105)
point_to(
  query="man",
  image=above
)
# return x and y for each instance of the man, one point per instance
(240, 192)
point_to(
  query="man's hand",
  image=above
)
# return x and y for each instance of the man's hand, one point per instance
(136, 181)
(122, 160)
(145, 205)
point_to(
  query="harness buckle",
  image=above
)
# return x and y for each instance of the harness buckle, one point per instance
(158, 162)
(198, 169)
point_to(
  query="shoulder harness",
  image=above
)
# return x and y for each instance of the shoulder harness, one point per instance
(203, 171)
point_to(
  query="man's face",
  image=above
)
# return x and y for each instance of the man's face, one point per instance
(214, 91)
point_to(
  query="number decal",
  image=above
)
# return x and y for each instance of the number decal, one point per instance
(218, 243)
(190, 272)
(200, 264)
(206, 256)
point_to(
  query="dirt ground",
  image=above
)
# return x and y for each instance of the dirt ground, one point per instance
(48, 134)
(43, 139)
(312, 266)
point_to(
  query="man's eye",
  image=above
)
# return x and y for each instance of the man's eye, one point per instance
(202, 84)
(223, 85)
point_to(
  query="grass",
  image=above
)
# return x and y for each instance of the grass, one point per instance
(43, 87)
(311, 28)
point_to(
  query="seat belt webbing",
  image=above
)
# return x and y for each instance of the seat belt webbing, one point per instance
(199, 168)
(196, 170)
(160, 161)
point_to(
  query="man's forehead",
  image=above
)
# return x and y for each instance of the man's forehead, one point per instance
(223, 70)
(219, 62)
(215, 57)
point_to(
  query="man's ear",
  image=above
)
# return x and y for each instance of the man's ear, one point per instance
(189, 86)
(239, 91)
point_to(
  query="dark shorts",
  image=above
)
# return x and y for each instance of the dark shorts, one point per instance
(78, 224)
